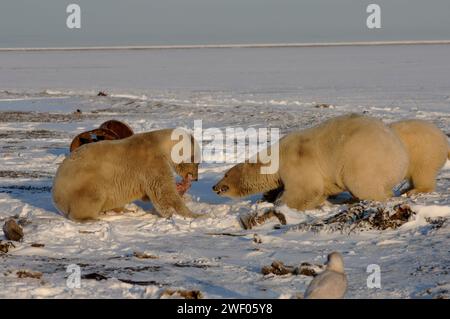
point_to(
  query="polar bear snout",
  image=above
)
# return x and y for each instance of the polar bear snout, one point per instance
(220, 189)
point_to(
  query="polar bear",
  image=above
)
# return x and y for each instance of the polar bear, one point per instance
(354, 153)
(428, 151)
(106, 175)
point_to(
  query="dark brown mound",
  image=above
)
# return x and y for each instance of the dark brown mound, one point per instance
(91, 137)
(121, 129)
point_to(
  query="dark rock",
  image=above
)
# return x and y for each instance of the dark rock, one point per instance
(12, 230)
(186, 294)
(29, 274)
(95, 276)
(5, 246)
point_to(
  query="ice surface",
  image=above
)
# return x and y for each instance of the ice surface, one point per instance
(224, 87)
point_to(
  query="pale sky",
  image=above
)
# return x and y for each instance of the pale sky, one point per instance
(32, 23)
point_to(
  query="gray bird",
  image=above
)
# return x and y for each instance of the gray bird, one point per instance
(330, 284)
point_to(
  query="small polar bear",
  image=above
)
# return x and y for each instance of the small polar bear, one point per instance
(107, 175)
(428, 151)
(330, 284)
(354, 153)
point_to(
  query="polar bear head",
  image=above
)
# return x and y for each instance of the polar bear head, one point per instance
(185, 154)
(245, 179)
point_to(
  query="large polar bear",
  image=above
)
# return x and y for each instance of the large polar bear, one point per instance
(105, 176)
(351, 153)
(428, 151)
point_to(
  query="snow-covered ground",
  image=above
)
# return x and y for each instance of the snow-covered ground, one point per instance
(264, 87)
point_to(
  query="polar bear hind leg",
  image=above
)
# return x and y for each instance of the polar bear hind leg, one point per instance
(423, 181)
(365, 183)
(85, 206)
(373, 192)
(303, 190)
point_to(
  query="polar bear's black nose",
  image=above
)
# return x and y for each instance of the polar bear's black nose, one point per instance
(215, 188)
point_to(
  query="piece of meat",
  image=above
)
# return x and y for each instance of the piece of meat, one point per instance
(184, 185)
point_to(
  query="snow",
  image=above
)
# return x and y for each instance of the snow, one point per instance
(245, 87)
(424, 212)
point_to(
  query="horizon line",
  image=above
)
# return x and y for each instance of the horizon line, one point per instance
(230, 46)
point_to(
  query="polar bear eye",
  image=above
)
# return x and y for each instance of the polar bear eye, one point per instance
(226, 175)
